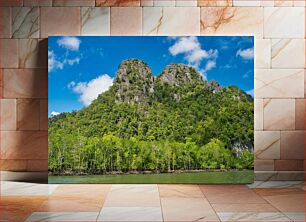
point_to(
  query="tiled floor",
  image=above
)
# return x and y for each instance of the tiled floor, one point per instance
(271, 201)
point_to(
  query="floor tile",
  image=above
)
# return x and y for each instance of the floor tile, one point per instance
(63, 216)
(26, 189)
(274, 216)
(228, 207)
(187, 209)
(92, 191)
(188, 191)
(230, 194)
(18, 208)
(133, 196)
(130, 214)
(296, 216)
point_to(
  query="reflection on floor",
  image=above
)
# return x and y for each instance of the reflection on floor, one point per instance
(270, 201)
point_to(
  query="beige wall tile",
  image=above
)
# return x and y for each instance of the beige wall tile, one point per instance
(186, 3)
(292, 145)
(283, 50)
(51, 17)
(126, 20)
(146, 2)
(232, 21)
(25, 22)
(37, 165)
(24, 144)
(279, 83)
(279, 114)
(262, 54)
(28, 114)
(1, 83)
(95, 21)
(37, 2)
(4, 3)
(246, 3)
(169, 20)
(13, 165)
(7, 114)
(289, 165)
(258, 114)
(300, 114)
(263, 165)
(117, 2)
(266, 3)
(280, 3)
(5, 22)
(267, 145)
(73, 2)
(25, 83)
(299, 3)
(284, 22)
(43, 115)
(220, 3)
(8, 53)
(305, 82)
(163, 3)
(33, 53)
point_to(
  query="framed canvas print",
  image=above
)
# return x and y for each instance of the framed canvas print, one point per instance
(151, 109)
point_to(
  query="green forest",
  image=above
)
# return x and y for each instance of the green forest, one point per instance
(169, 123)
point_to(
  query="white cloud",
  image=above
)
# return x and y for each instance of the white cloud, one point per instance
(54, 63)
(70, 43)
(89, 91)
(246, 53)
(250, 92)
(193, 53)
(53, 113)
(246, 75)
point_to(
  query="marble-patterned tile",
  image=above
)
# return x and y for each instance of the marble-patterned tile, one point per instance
(63, 216)
(300, 114)
(23, 144)
(284, 49)
(73, 2)
(292, 145)
(182, 191)
(25, 22)
(279, 114)
(267, 145)
(267, 3)
(163, 3)
(146, 2)
(37, 2)
(43, 114)
(253, 216)
(278, 22)
(8, 114)
(133, 196)
(279, 175)
(26, 189)
(230, 194)
(263, 165)
(299, 3)
(28, 114)
(126, 21)
(6, 3)
(263, 207)
(37, 165)
(13, 165)
(246, 3)
(279, 83)
(169, 20)
(123, 3)
(262, 57)
(258, 114)
(33, 53)
(52, 16)
(232, 21)
(283, 3)
(8, 53)
(210, 3)
(186, 3)
(95, 21)
(187, 209)
(277, 184)
(5, 22)
(25, 83)
(289, 165)
(18, 208)
(295, 216)
(130, 214)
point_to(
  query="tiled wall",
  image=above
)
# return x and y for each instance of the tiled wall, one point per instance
(278, 26)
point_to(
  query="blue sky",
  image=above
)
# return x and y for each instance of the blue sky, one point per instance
(80, 68)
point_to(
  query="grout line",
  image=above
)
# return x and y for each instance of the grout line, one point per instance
(160, 203)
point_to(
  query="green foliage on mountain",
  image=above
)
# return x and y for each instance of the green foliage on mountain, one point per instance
(176, 121)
